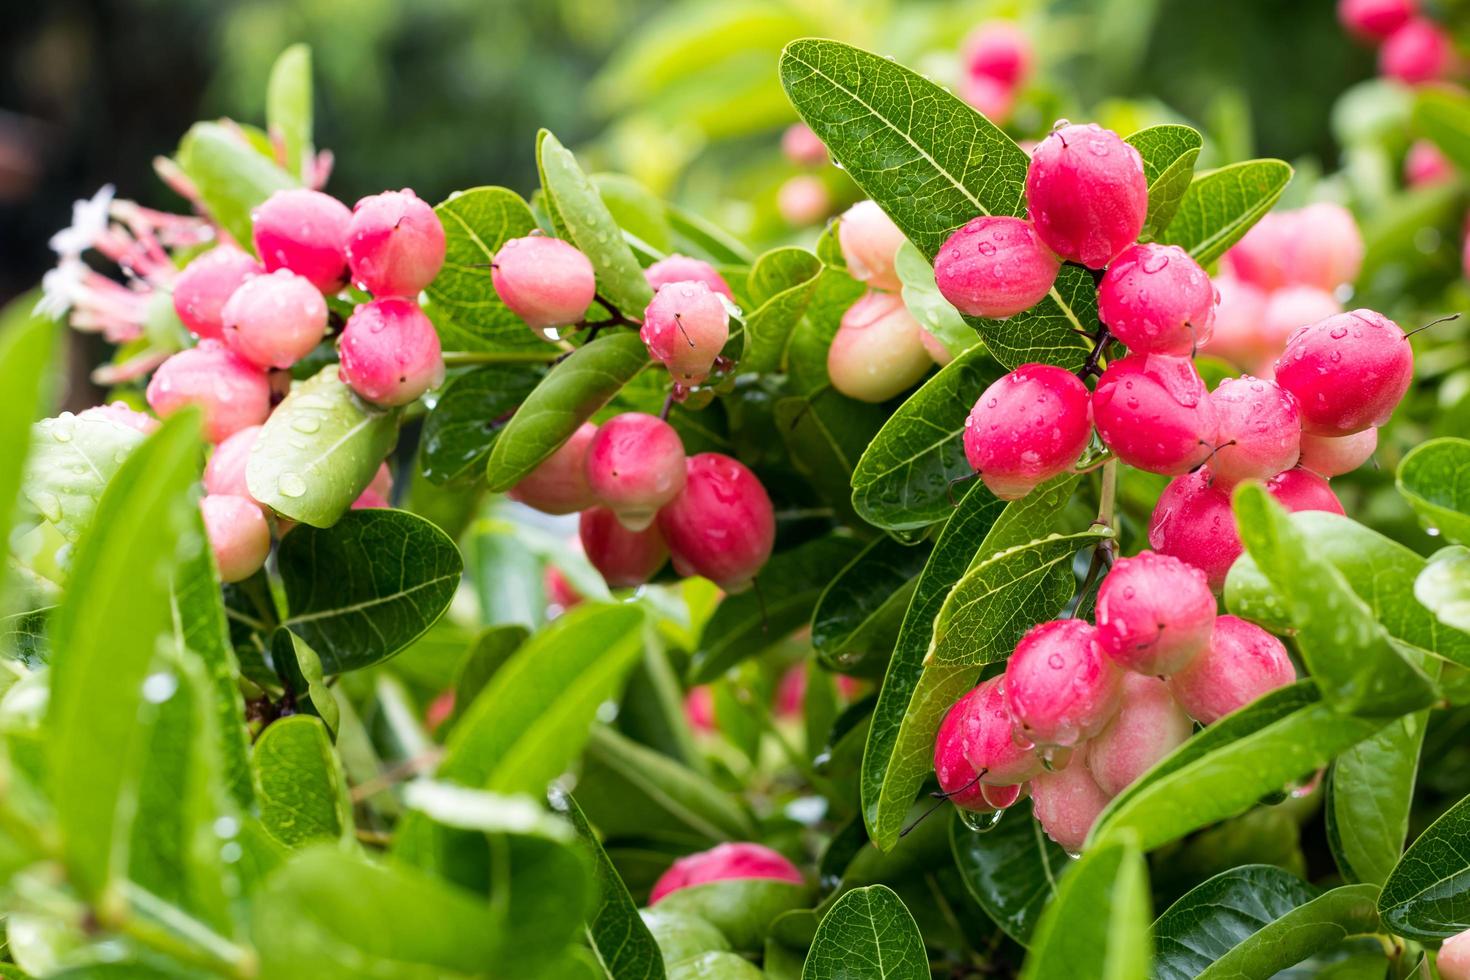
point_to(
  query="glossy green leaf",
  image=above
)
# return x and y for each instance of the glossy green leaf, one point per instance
(1169, 153)
(1442, 114)
(637, 210)
(681, 936)
(367, 587)
(1369, 792)
(925, 304)
(825, 434)
(1443, 587)
(231, 176)
(1098, 924)
(715, 966)
(859, 613)
(469, 416)
(1011, 870)
(1434, 477)
(741, 908)
(26, 343)
(300, 669)
(1222, 205)
(782, 282)
(68, 466)
(303, 793)
(868, 930)
(288, 107)
(1427, 896)
(487, 654)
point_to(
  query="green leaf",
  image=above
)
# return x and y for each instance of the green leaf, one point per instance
(825, 433)
(925, 304)
(1002, 596)
(859, 613)
(469, 416)
(905, 478)
(1427, 896)
(717, 244)
(1098, 924)
(791, 583)
(232, 177)
(1347, 651)
(1443, 115)
(1169, 153)
(741, 908)
(1011, 870)
(783, 282)
(637, 210)
(300, 669)
(303, 794)
(366, 588)
(568, 395)
(590, 226)
(1443, 587)
(1255, 921)
(1434, 477)
(1222, 205)
(487, 654)
(288, 108)
(868, 930)
(1369, 791)
(681, 936)
(105, 637)
(70, 463)
(26, 343)
(715, 966)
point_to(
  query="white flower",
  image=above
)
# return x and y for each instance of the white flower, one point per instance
(61, 287)
(88, 223)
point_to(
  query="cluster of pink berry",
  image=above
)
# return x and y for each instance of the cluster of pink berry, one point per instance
(255, 319)
(1413, 48)
(804, 199)
(996, 61)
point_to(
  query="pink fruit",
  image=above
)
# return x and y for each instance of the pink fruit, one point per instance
(232, 392)
(370, 499)
(1027, 427)
(1154, 413)
(791, 692)
(1290, 308)
(1067, 803)
(1329, 456)
(685, 327)
(1259, 257)
(635, 465)
(559, 590)
(956, 776)
(1419, 51)
(699, 708)
(870, 241)
(1060, 688)
(984, 725)
(1325, 248)
(877, 351)
(995, 267)
(1299, 489)
(382, 482)
(935, 347)
(681, 268)
(1374, 19)
(224, 474)
(558, 485)
(395, 244)
(1242, 663)
(122, 414)
(1087, 194)
(544, 281)
(1154, 613)
(237, 533)
(1000, 50)
(304, 231)
(275, 320)
(390, 352)
(1453, 960)
(802, 146)
(1260, 430)
(1238, 336)
(1149, 725)
(1157, 300)
(1348, 372)
(722, 525)
(721, 863)
(206, 284)
(803, 201)
(1425, 165)
(625, 558)
(992, 98)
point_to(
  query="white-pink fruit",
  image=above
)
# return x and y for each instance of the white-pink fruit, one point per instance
(395, 244)
(224, 474)
(870, 241)
(1067, 802)
(1426, 165)
(1242, 663)
(275, 320)
(1157, 300)
(635, 465)
(685, 328)
(1238, 335)
(207, 283)
(998, 49)
(1060, 688)
(682, 268)
(1453, 959)
(231, 392)
(237, 533)
(1290, 308)
(1154, 613)
(1325, 248)
(558, 485)
(1260, 430)
(544, 281)
(1420, 51)
(1030, 425)
(1330, 456)
(803, 200)
(994, 267)
(304, 231)
(877, 351)
(722, 525)
(390, 352)
(1149, 725)
(802, 146)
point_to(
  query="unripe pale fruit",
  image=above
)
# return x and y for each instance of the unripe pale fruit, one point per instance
(956, 776)
(724, 862)
(635, 465)
(877, 351)
(870, 242)
(1426, 165)
(681, 268)
(1325, 248)
(1237, 335)
(685, 327)
(1087, 194)
(803, 200)
(1374, 20)
(1260, 430)
(1419, 51)
(625, 558)
(1157, 300)
(1290, 308)
(802, 146)
(237, 533)
(722, 525)
(304, 231)
(1154, 412)
(395, 244)
(995, 267)
(224, 474)
(1027, 427)
(1067, 803)
(935, 347)
(390, 352)
(1060, 688)
(1348, 372)
(207, 283)
(1453, 960)
(544, 281)
(1259, 257)
(120, 413)
(558, 485)
(232, 392)
(988, 96)
(1154, 613)
(985, 730)
(1242, 663)
(1329, 456)
(1000, 50)
(275, 320)
(1149, 725)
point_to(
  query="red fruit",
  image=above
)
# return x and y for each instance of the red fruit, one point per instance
(995, 267)
(722, 525)
(559, 591)
(625, 558)
(304, 231)
(803, 201)
(802, 146)
(1154, 613)
(1425, 165)
(206, 284)
(1325, 247)
(544, 281)
(1157, 300)
(1237, 335)
(956, 776)
(120, 413)
(559, 484)
(1067, 803)
(232, 392)
(1242, 663)
(870, 241)
(1374, 19)
(1149, 725)
(1329, 456)
(1348, 372)
(1299, 489)
(699, 708)
(635, 465)
(878, 350)
(685, 327)
(988, 743)
(681, 268)
(1027, 427)
(238, 533)
(395, 244)
(1419, 51)
(1000, 50)
(1154, 413)
(1260, 430)
(721, 863)
(1059, 686)
(390, 352)
(1087, 194)
(225, 472)
(988, 96)
(275, 320)
(370, 499)
(1287, 310)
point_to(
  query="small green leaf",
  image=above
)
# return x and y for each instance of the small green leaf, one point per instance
(288, 108)
(1010, 870)
(869, 926)
(26, 343)
(1434, 477)
(1442, 114)
(858, 615)
(303, 794)
(1427, 896)
(825, 433)
(1169, 153)
(70, 462)
(741, 908)
(469, 416)
(232, 176)
(1222, 205)
(487, 654)
(1369, 791)
(300, 670)
(1443, 587)
(1098, 924)
(782, 282)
